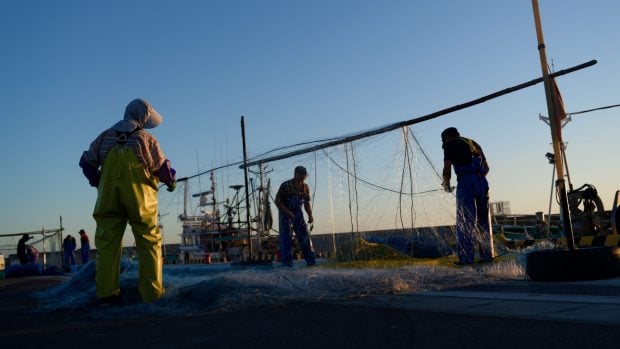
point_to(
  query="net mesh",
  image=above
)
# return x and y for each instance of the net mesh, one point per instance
(382, 190)
(359, 190)
(374, 211)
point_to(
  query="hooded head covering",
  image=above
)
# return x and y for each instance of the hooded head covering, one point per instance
(139, 113)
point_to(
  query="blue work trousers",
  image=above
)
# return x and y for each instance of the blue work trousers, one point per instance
(68, 258)
(301, 231)
(473, 219)
(85, 253)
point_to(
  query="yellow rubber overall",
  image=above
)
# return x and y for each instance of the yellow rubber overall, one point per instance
(127, 193)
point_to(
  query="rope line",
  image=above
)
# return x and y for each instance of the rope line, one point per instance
(376, 186)
(346, 153)
(425, 155)
(357, 204)
(594, 109)
(397, 125)
(413, 213)
(402, 183)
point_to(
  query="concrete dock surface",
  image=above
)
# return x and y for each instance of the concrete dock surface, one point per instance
(509, 314)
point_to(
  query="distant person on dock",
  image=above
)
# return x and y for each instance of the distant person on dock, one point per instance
(291, 197)
(473, 220)
(21, 249)
(32, 254)
(68, 248)
(84, 246)
(125, 163)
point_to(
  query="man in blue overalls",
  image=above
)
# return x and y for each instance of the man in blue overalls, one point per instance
(291, 197)
(473, 221)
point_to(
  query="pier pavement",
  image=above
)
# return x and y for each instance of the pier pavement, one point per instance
(512, 314)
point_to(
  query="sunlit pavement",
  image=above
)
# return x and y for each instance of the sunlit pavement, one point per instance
(592, 302)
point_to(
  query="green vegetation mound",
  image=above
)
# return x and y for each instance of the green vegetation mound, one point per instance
(362, 250)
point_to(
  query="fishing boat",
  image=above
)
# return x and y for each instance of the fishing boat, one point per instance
(592, 224)
(219, 232)
(215, 233)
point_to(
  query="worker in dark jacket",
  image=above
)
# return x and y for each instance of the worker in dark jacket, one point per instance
(68, 247)
(473, 220)
(21, 249)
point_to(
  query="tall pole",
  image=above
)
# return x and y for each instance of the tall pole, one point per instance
(185, 198)
(60, 243)
(44, 251)
(247, 194)
(261, 204)
(556, 135)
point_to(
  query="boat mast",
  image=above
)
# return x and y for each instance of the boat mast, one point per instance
(247, 194)
(216, 211)
(185, 194)
(556, 131)
(261, 203)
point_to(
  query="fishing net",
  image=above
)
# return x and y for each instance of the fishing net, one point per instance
(382, 224)
(382, 190)
(374, 198)
(225, 287)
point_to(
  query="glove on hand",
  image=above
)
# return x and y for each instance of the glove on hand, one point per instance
(91, 172)
(446, 186)
(171, 186)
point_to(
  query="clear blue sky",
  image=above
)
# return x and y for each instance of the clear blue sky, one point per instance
(297, 71)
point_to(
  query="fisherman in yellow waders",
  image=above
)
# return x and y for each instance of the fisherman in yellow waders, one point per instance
(125, 164)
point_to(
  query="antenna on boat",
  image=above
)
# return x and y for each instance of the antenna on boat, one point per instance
(261, 200)
(198, 165)
(185, 195)
(216, 211)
